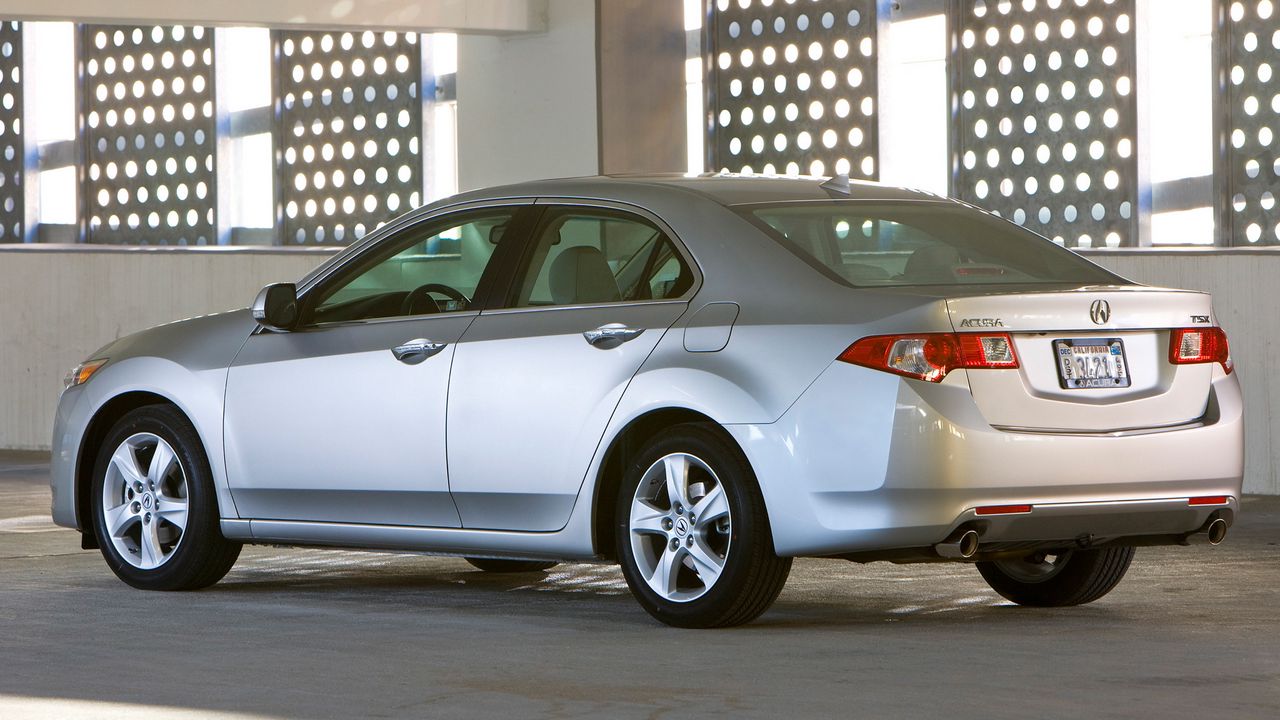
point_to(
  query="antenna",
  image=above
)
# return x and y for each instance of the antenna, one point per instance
(837, 184)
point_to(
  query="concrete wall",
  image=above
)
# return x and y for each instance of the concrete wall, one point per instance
(527, 104)
(57, 307)
(1243, 301)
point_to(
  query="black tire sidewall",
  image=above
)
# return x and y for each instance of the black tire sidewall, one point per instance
(202, 534)
(749, 534)
(1087, 576)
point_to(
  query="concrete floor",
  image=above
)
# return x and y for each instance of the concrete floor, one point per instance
(296, 633)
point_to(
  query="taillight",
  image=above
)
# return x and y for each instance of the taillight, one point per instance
(1188, 346)
(930, 356)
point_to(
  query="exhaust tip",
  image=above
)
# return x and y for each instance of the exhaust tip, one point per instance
(1217, 531)
(963, 546)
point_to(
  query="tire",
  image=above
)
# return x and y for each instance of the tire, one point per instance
(722, 568)
(181, 513)
(1073, 577)
(491, 565)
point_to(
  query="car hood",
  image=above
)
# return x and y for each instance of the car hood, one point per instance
(206, 341)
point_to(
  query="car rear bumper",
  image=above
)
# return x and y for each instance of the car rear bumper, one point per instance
(865, 461)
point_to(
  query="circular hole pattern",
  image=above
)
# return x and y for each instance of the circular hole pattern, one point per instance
(351, 158)
(794, 87)
(1253, 110)
(11, 160)
(1046, 117)
(149, 123)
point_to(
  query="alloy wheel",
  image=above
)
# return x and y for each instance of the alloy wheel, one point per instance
(680, 527)
(145, 501)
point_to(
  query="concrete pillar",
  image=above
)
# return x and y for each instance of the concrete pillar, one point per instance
(527, 104)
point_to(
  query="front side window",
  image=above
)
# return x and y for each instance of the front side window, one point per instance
(872, 244)
(431, 268)
(583, 256)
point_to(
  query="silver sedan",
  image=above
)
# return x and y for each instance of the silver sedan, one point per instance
(697, 378)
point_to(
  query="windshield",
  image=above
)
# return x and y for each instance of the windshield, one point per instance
(871, 244)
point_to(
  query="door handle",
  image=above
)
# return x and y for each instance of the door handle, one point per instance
(415, 351)
(611, 335)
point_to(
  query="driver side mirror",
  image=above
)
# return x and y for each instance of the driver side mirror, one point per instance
(276, 307)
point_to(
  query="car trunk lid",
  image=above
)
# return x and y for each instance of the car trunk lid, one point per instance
(1091, 359)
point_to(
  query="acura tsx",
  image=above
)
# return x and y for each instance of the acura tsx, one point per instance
(698, 378)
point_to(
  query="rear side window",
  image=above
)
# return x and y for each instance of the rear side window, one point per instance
(919, 243)
(586, 256)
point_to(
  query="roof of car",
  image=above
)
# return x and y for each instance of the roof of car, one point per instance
(724, 189)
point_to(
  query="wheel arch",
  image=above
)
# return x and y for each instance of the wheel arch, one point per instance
(628, 441)
(104, 418)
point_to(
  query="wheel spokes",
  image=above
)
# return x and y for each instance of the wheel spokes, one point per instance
(663, 578)
(647, 519)
(118, 520)
(172, 511)
(706, 562)
(713, 506)
(149, 543)
(676, 468)
(145, 508)
(126, 464)
(680, 545)
(161, 461)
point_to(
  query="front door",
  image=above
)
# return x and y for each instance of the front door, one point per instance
(343, 420)
(535, 382)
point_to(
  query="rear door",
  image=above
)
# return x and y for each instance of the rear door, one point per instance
(1095, 359)
(536, 380)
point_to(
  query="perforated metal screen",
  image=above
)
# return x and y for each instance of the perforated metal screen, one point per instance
(1249, 75)
(11, 160)
(350, 129)
(1044, 120)
(792, 87)
(148, 128)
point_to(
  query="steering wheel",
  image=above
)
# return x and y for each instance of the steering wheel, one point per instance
(420, 302)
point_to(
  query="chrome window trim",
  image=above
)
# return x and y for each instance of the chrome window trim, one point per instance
(384, 321)
(587, 306)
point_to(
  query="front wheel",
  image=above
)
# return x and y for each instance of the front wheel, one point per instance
(692, 533)
(1058, 578)
(154, 509)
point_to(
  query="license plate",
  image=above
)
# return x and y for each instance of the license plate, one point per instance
(1085, 363)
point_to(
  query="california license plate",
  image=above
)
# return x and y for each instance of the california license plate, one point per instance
(1085, 363)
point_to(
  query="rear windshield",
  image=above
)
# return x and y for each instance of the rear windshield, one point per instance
(870, 244)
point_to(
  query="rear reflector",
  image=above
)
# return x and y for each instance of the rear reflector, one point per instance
(1190, 346)
(930, 356)
(1002, 510)
(1209, 500)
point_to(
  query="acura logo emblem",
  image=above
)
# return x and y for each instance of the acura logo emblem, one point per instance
(1100, 312)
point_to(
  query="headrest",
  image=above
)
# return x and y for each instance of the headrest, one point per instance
(581, 275)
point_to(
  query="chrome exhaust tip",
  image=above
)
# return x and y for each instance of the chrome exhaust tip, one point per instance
(964, 546)
(1217, 531)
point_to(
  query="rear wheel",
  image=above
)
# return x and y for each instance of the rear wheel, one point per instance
(511, 566)
(154, 509)
(692, 534)
(1058, 578)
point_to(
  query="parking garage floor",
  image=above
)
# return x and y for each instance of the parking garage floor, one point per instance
(302, 633)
